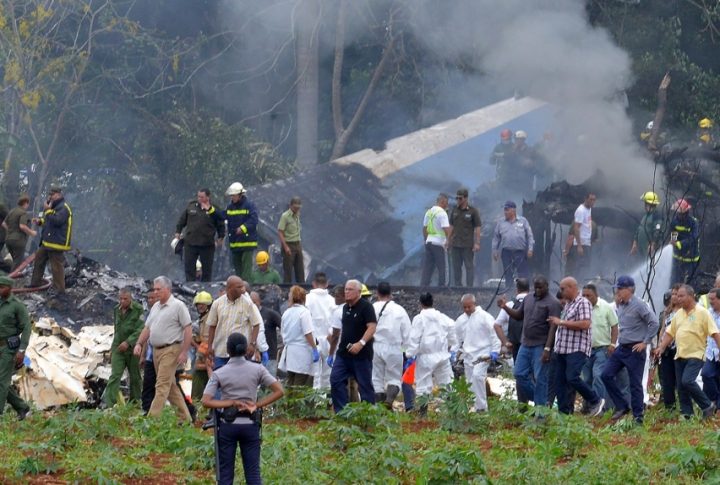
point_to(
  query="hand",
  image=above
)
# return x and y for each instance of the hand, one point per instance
(47, 206)
(639, 347)
(330, 360)
(657, 353)
(496, 256)
(245, 406)
(610, 350)
(182, 358)
(530, 254)
(494, 356)
(476, 247)
(508, 345)
(19, 358)
(580, 250)
(286, 248)
(356, 348)
(545, 357)
(264, 358)
(250, 350)
(501, 301)
(315, 355)
(410, 361)
(122, 347)
(554, 321)
(137, 350)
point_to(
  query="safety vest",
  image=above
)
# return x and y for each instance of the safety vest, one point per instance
(57, 227)
(432, 213)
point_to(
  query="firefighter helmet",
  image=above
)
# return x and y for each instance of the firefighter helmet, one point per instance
(236, 188)
(681, 206)
(262, 257)
(203, 297)
(650, 125)
(705, 123)
(364, 291)
(506, 134)
(705, 138)
(520, 135)
(651, 198)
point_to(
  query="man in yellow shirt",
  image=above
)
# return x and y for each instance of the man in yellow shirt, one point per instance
(690, 328)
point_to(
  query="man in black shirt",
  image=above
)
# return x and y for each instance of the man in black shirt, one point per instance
(355, 352)
(272, 320)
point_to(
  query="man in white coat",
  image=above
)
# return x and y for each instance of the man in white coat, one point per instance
(431, 336)
(479, 343)
(391, 337)
(321, 305)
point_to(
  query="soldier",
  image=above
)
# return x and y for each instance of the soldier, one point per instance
(14, 337)
(128, 325)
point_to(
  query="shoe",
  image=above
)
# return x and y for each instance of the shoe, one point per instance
(639, 421)
(210, 423)
(618, 415)
(24, 414)
(709, 412)
(597, 409)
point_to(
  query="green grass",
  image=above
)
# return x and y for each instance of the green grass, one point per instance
(367, 444)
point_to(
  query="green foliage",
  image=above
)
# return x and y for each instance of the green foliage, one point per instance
(699, 461)
(303, 403)
(454, 410)
(464, 465)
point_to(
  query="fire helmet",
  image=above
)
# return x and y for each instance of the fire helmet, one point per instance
(651, 198)
(520, 135)
(262, 257)
(705, 123)
(203, 297)
(236, 188)
(506, 134)
(681, 206)
(364, 291)
(650, 125)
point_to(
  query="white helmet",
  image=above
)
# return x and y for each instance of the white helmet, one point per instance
(650, 125)
(520, 134)
(236, 188)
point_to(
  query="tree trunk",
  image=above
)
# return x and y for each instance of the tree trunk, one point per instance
(306, 26)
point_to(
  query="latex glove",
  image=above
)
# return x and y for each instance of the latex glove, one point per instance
(264, 358)
(408, 363)
(330, 360)
(316, 355)
(494, 356)
(453, 357)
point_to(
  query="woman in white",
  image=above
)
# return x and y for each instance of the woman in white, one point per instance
(300, 351)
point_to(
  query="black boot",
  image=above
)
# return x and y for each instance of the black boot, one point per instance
(392, 393)
(379, 397)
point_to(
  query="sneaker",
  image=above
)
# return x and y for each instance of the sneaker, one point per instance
(618, 415)
(597, 409)
(709, 412)
(210, 423)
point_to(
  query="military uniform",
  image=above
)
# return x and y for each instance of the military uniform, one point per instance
(14, 322)
(200, 226)
(128, 326)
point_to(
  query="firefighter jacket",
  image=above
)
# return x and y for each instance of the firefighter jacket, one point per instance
(201, 225)
(687, 246)
(56, 225)
(243, 216)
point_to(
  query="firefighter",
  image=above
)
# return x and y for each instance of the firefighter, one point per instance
(685, 238)
(242, 220)
(501, 154)
(649, 234)
(56, 222)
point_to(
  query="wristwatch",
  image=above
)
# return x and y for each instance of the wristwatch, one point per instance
(362, 342)
(547, 349)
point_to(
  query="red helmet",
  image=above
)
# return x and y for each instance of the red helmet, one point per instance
(681, 206)
(506, 134)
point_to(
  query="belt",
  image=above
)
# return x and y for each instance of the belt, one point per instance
(159, 347)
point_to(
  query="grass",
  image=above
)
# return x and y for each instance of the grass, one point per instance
(366, 444)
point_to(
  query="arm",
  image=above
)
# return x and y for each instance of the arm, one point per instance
(416, 334)
(369, 332)
(252, 221)
(334, 339)
(571, 324)
(666, 340)
(139, 326)
(219, 222)
(497, 238)
(25, 229)
(501, 336)
(425, 233)
(495, 343)
(476, 239)
(614, 333)
(518, 314)
(181, 223)
(530, 238)
(142, 339)
(187, 338)
(311, 340)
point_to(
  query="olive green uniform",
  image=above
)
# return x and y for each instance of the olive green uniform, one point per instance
(14, 321)
(269, 277)
(128, 326)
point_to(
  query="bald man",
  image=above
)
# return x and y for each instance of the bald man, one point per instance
(573, 344)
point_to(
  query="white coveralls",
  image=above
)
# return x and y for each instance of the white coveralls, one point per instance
(432, 334)
(391, 337)
(296, 355)
(477, 338)
(321, 306)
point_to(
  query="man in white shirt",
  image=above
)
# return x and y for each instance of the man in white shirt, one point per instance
(436, 231)
(479, 344)
(391, 337)
(579, 242)
(321, 305)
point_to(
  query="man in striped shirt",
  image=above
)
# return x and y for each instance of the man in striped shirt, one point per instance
(573, 343)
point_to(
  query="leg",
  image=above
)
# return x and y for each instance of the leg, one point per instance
(710, 377)
(363, 376)
(57, 268)
(378, 372)
(469, 263)
(508, 270)
(571, 262)
(479, 376)
(428, 266)
(135, 384)
(552, 388)
(599, 360)
(7, 393)
(117, 364)
(247, 262)
(456, 260)
(17, 252)
(667, 378)
(237, 261)
(148, 391)
(287, 267)
(689, 383)
(41, 259)
(299, 263)
(441, 263)
(191, 254)
(207, 257)
(199, 381)
(250, 451)
(522, 265)
(165, 388)
(338, 383)
(561, 385)
(423, 375)
(613, 366)
(227, 436)
(522, 371)
(635, 364)
(574, 364)
(443, 373)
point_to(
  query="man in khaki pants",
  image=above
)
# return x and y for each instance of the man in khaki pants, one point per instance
(168, 329)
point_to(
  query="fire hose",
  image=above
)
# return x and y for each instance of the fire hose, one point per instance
(17, 273)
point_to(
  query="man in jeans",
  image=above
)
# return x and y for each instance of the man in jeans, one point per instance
(638, 326)
(690, 328)
(572, 349)
(536, 343)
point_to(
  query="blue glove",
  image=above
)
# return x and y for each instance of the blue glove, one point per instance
(494, 356)
(408, 363)
(330, 360)
(453, 357)
(316, 355)
(264, 358)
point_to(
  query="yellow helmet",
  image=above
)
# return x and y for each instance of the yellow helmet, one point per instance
(262, 257)
(364, 291)
(705, 123)
(651, 198)
(203, 297)
(705, 138)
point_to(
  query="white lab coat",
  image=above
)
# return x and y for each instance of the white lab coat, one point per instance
(432, 334)
(477, 338)
(297, 352)
(391, 336)
(321, 306)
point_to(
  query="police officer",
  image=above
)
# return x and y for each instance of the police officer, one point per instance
(14, 336)
(238, 381)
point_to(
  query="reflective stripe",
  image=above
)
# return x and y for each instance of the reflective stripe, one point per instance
(212, 210)
(55, 246)
(687, 260)
(237, 212)
(243, 244)
(66, 246)
(683, 228)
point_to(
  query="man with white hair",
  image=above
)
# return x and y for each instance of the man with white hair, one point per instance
(475, 330)
(168, 328)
